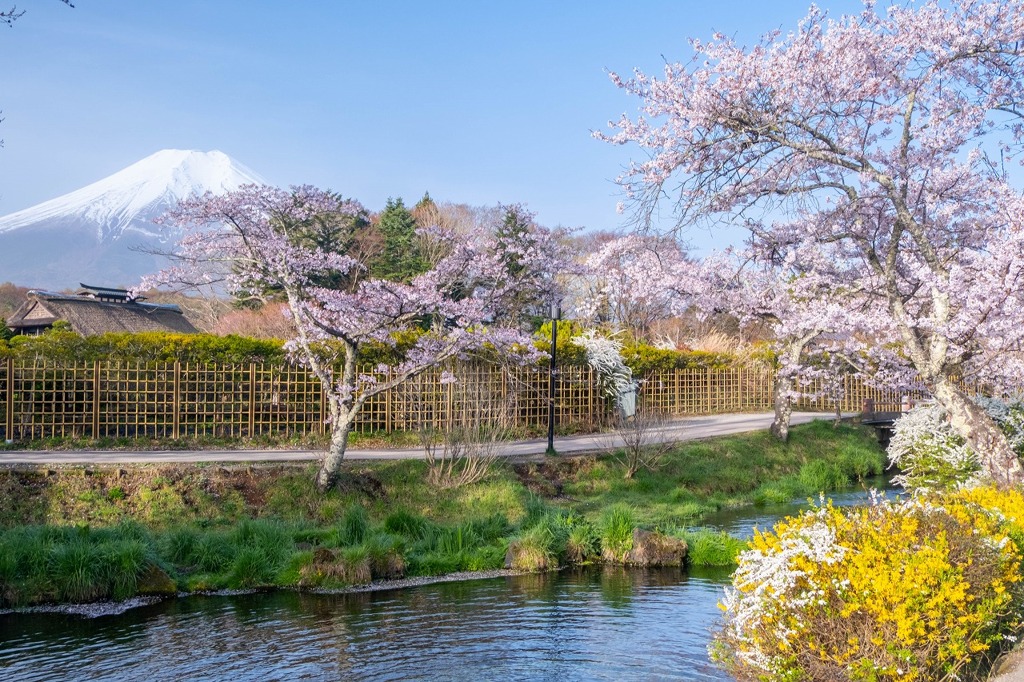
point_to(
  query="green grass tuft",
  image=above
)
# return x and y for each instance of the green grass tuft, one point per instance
(712, 548)
(616, 531)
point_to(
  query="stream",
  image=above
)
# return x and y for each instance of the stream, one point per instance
(596, 623)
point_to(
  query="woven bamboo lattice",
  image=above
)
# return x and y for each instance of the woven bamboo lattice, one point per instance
(105, 399)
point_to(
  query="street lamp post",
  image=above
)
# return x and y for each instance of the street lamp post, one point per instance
(556, 315)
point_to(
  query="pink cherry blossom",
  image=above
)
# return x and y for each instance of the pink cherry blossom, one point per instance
(246, 240)
(873, 147)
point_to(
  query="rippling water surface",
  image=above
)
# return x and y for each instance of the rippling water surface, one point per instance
(742, 520)
(610, 624)
(598, 624)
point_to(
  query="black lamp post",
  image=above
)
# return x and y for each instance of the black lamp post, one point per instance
(556, 315)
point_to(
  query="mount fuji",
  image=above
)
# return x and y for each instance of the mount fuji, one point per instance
(100, 234)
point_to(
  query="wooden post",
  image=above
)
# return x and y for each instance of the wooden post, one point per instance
(324, 409)
(252, 399)
(449, 407)
(707, 381)
(9, 420)
(389, 409)
(96, 399)
(176, 402)
(868, 408)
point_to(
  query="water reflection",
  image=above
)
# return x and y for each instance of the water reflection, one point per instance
(587, 624)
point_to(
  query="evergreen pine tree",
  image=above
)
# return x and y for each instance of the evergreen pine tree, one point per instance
(400, 259)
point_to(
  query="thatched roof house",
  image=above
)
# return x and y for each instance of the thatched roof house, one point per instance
(97, 310)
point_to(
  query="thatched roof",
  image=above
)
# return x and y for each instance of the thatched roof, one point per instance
(96, 311)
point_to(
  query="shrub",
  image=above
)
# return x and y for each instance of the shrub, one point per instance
(567, 351)
(67, 346)
(933, 456)
(1009, 415)
(929, 453)
(920, 589)
(642, 359)
(61, 344)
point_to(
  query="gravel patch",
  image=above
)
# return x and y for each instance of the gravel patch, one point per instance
(93, 610)
(381, 585)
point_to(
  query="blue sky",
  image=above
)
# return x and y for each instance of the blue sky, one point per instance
(475, 102)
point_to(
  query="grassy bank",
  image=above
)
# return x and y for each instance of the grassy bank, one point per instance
(76, 534)
(701, 477)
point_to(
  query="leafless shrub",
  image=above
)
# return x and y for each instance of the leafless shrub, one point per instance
(266, 322)
(463, 455)
(641, 440)
(462, 447)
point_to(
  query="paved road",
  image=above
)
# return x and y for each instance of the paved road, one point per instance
(691, 428)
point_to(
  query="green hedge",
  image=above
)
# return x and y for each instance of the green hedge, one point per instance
(63, 345)
(66, 346)
(643, 359)
(639, 357)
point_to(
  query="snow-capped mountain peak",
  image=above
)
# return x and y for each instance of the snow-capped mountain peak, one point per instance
(104, 233)
(131, 198)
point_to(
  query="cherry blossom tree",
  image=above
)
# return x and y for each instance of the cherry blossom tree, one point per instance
(736, 283)
(246, 239)
(635, 281)
(782, 291)
(880, 139)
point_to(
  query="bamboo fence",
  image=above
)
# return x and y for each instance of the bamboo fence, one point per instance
(41, 399)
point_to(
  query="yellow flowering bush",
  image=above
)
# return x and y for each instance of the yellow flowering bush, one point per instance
(923, 589)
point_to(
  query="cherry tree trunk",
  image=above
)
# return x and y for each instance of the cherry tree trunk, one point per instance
(981, 432)
(785, 382)
(782, 404)
(330, 467)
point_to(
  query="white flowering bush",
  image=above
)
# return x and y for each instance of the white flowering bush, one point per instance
(604, 355)
(931, 455)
